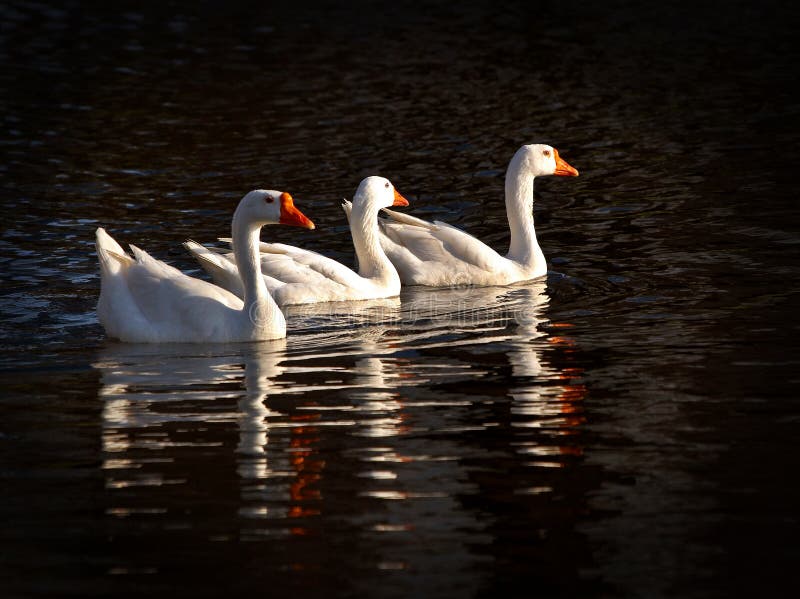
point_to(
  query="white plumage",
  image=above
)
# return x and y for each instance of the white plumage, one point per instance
(297, 276)
(145, 300)
(440, 255)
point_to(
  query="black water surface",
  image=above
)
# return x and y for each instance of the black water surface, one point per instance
(626, 428)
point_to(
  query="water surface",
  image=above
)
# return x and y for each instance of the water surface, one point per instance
(626, 427)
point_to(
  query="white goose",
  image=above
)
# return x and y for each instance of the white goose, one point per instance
(297, 276)
(440, 255)
(145, 300)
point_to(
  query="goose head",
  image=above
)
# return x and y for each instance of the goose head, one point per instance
(541, 159)
(267, 206)
(379, 192)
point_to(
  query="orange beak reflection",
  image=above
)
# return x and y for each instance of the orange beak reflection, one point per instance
(562, 168)
(290, 215)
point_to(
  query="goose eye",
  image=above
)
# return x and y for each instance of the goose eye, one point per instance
(546, 152)
(386, 185)
(269, 199)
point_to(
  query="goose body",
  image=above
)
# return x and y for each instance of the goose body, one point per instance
(441, 255)
(298, 276)
(143, 299)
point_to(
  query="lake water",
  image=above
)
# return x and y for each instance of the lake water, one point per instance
(627, 427)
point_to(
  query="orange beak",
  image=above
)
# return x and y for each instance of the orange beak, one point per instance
(562, 168)
(291, 215)
(399, 200)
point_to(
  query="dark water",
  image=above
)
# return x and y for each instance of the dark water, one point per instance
(628, 428)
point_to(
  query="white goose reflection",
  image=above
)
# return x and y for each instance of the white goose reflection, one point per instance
(389, 389)
(318, 328)
(151, 393)
(361, 331)
(261, 368)
(524, 355)
(547, 397)
(480, 314)
(375, 394)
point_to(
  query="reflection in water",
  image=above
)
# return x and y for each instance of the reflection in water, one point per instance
(555, 406)
(260, 370)
(432, 429)
(376, 379)
(340, 415)
(149, 390)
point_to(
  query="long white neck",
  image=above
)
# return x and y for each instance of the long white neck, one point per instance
(524, 247)
(259, 306)
(372, 260)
